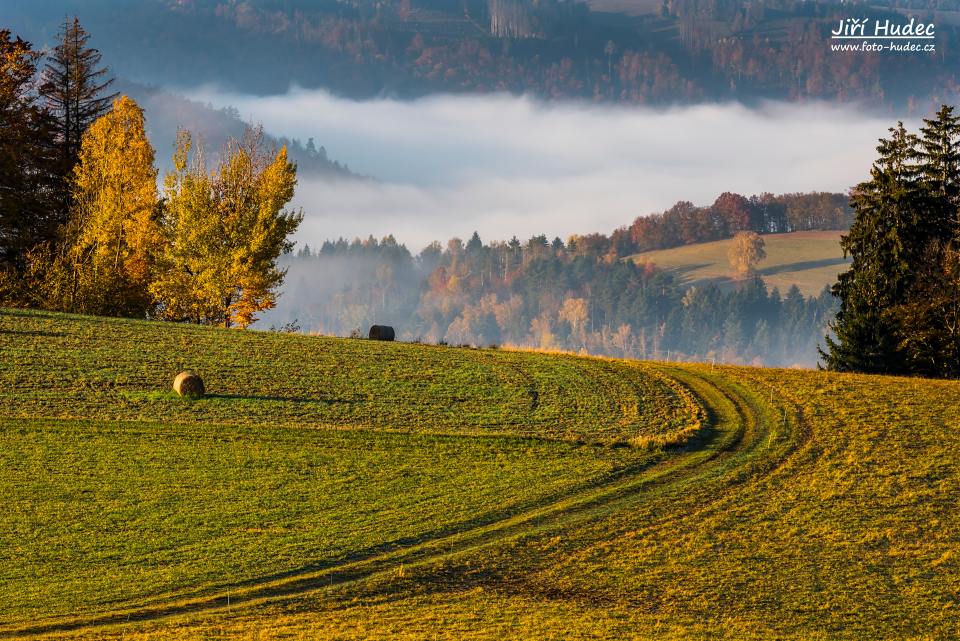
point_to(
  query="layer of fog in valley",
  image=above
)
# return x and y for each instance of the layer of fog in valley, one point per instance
(444, 167)
(447, 166)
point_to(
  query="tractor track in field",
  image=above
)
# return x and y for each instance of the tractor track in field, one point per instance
(722, 454)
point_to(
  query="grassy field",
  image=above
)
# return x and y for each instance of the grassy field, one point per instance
(810, 260)
(461, 494)
(71, 367)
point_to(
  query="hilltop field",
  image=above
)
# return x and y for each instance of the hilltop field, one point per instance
(350, 489)
(810, 260)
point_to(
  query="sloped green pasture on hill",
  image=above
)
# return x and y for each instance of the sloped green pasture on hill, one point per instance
(483, 495)
(73, 367)
(811, 260)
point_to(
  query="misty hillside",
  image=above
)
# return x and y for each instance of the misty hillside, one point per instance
(167, 112)
(589, 294)
(680, 51)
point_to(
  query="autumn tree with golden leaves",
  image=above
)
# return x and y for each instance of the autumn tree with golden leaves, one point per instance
(104, 264)
(746, 250)
(222, 233)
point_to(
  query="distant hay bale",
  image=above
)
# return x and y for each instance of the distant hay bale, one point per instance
(381, 333)
(188, 384)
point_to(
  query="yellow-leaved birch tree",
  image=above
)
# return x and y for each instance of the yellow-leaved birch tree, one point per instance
(223, 232)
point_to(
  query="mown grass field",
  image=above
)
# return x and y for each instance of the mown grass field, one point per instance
(461, 494)
(811, 260)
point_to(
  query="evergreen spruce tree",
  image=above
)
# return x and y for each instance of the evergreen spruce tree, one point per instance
(474, 245)
(928, 317)
(885, 243)
(939, 152)
(74, 89)
(939, 165)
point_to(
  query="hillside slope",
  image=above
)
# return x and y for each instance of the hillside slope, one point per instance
(349, 489)
(811, 260)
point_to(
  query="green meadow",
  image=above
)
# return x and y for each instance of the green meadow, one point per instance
(810, 260)
(350, 489)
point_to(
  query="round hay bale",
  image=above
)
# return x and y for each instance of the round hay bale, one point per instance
(381, 333)
(188, 384)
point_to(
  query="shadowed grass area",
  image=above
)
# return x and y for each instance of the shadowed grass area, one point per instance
(99, 514)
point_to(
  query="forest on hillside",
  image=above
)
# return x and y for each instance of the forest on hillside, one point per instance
(583, 294)
(215, 127)
(679, 51)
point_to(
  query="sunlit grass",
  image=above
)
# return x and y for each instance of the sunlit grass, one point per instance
(810, 260)
(809, 505)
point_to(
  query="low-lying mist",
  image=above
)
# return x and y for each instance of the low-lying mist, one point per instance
(444, 167)
(501, 165)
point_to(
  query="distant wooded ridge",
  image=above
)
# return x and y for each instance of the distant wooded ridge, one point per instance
(215, 127)
(676, 51)
(686, 224)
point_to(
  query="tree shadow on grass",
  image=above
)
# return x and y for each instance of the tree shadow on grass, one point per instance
(32, 332)
(686, 269)
(343, 570)
(283, 399)
(803, 265)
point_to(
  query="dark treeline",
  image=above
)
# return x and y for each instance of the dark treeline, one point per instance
(685, 223)
(45, 107)
(547, 295)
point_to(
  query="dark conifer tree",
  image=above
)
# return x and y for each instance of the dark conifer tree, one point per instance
(474, 245)
(939, 164)
(929, 318)
(26, 168)
(939, 152)
(883, 243)
(74, 89)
